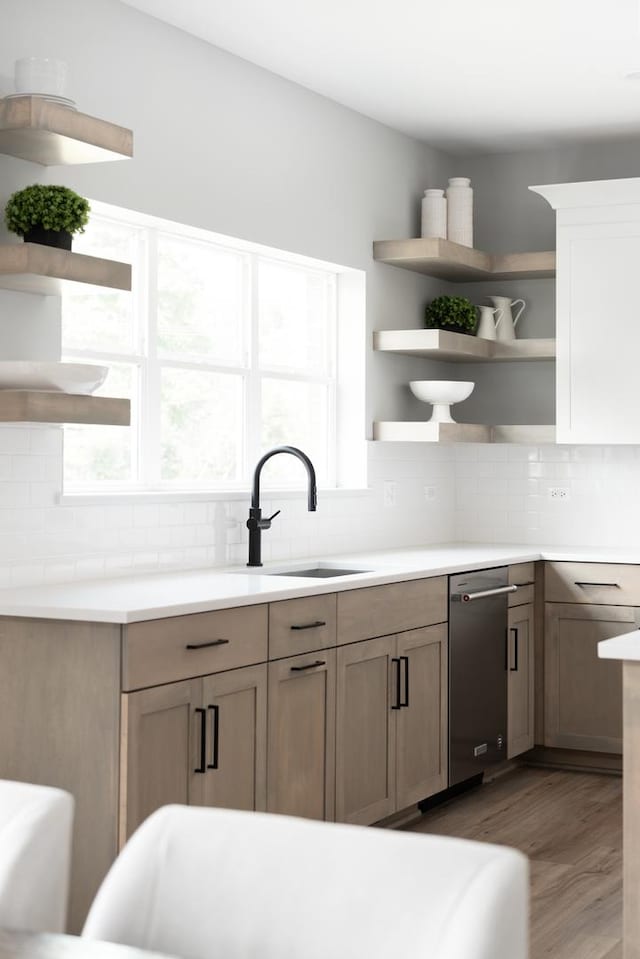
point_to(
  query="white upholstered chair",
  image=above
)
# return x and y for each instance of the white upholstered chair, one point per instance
(207, 883)
(35, 852)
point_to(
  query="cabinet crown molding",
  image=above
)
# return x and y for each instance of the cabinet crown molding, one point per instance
(562, 196)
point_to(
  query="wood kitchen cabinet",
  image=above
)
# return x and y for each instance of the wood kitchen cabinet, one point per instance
(198, 742)
(301, 735)
(583, 694)
(520, 680)
(391, 723)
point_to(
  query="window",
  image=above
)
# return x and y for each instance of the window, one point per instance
(224, 348)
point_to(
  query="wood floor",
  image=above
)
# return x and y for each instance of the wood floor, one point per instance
(570, 826)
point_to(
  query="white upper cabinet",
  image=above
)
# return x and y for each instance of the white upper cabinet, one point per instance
(597, 310)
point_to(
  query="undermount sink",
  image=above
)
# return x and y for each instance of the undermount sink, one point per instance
(320, 572)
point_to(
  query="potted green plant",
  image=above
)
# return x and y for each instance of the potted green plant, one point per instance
(454, 313)
(47, 214)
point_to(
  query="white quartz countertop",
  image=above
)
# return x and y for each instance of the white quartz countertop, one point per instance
(626, 647)
(136, 598)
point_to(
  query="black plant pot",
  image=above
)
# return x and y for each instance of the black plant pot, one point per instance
(58, 238)
(453, 328)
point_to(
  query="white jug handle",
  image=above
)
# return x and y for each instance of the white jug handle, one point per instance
(498, 310)
(520, 311)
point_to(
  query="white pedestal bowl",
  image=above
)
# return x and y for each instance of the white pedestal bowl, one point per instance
(442, 394)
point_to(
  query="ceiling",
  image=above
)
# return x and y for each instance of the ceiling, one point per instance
(467, 76)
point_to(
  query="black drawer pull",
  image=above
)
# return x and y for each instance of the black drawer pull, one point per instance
(202, 768)
(522, 585)
(608, 585)
(299, 669)
(214, 642)
(405, 660)
(215, 729)
(315, 625)
(398, 703)
(514, 630)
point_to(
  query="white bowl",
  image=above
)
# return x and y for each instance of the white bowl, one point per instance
(442, 393)
(56, 377)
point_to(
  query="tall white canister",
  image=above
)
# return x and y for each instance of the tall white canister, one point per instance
(434, 214)
(460, 211)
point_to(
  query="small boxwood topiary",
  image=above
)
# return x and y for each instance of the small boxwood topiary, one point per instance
(51, 207)
(454, 313)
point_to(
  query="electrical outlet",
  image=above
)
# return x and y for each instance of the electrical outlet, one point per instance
(559, 493)
(389, 493)
(429, 492)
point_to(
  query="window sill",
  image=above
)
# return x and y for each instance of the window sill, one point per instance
(172, 496)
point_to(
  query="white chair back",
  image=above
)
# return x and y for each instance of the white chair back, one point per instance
(203, 883)
(35, 852)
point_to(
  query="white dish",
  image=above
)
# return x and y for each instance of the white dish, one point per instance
(442, 393)
(81, 378)
(61, 101)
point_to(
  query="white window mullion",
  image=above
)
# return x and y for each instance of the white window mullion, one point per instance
(253, 414)
(151, 387)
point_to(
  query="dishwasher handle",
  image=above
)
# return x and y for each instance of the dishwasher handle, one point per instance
(484, 593)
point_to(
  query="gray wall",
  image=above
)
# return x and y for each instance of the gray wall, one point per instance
(224, 145)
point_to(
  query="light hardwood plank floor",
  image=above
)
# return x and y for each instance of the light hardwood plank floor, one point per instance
(570, 826)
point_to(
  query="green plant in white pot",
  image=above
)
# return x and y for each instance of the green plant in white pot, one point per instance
(47, 214)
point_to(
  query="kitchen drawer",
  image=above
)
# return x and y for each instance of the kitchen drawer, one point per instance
(158, 651)
(301, 625)
(382, 610)
(607, 584)
(523, 576)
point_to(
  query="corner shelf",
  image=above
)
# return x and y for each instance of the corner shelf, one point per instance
(457, 347)
(462, 264)
(33, 406)
(34, 268)
(48, 133)
(427, 432)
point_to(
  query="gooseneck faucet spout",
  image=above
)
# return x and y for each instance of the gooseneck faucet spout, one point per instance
(256, 523)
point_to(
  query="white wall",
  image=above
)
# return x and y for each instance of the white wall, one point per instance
(223, 145)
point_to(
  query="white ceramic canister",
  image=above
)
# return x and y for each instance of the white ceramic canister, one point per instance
(460, 211)
(434, 214)
(40, 75)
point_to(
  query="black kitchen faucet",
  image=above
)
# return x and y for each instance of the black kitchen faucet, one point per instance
(255, 523)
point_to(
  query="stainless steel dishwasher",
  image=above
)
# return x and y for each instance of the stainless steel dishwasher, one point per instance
(478, 609)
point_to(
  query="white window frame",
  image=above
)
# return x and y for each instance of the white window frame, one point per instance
(346, 446)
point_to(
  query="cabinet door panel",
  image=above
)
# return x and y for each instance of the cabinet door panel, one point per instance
(301, 736)
(597, 265)
(236, 704)
(422, 725)
(162, 750)
(583, 694)
(366, 731)
(520, 683)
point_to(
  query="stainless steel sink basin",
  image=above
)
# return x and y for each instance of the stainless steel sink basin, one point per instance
(320, 572)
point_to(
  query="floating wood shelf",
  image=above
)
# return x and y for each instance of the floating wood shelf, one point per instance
(33, 406)
(443, 345)
(34, 268)
(451, 261)
(51, 134)
(426, 432)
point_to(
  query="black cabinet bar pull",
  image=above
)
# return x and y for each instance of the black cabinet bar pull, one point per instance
(202, 768)
(299, 669)
(398, 702)
(530, 583)
(315, 625)
(214, 642)
(514, 630)
(215, 730)
(405, 660)
(608, 585)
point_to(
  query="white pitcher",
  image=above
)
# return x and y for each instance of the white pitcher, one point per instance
(487, 324)
(506, 325)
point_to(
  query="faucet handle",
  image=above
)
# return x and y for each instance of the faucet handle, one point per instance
(277, 513)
